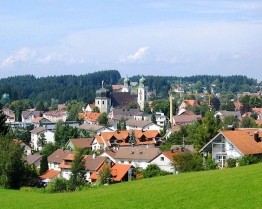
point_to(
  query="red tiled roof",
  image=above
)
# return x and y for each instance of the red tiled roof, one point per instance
(243, 140)
(118, 171)
(49, 174)
(82, 142)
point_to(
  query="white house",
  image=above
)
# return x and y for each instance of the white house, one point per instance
(56, 158)
(55, 116)
(137, 156)
(233, 144)
(29, 115)
(36, 134)
(132, 124)
(27, 148)
(165, 160)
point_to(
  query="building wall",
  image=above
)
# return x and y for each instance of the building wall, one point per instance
(163, 163)
(54, 166)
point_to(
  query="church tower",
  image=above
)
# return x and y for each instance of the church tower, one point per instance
(103, 99)
(127, 86)
(142, 93)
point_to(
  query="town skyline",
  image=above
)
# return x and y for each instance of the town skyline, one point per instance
(149, 37)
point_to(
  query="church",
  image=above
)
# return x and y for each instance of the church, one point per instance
(105, 100)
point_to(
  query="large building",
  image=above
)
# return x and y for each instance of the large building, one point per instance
(105, 100)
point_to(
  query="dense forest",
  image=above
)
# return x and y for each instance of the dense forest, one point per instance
(62, 88)
(82, 88)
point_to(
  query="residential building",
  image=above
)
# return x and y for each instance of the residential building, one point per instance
(37, 132)
(10, 115)
(56, 158)
(34, 159)
(56, 115)
(83, 143)
(233, 144)
(29, 115)
(132, 124)
(185, 119)
(186, 103)
(27, 148)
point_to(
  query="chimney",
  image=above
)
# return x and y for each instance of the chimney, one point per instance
(256, 138)
(63, 149)
(94, 155)
(172, 150)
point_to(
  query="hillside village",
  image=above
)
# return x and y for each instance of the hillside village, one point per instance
(126, 132)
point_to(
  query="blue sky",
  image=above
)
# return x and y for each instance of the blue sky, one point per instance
(179, 38)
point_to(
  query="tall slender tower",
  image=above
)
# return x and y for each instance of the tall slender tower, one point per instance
(127, 86)
(142, 96)
(103, 99)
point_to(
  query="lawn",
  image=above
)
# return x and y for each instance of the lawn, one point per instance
(228, 188)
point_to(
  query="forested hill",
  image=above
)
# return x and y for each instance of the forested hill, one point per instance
(82, 88)
(63, 88)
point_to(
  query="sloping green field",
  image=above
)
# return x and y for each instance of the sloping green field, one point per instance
(229, 188)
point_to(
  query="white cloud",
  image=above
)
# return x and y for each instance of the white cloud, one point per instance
(22, 55)
(139, 54)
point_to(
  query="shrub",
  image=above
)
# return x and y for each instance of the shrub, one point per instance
(210, 164)
(187, 162)
(153, 170)
(231, 163)
(247, 160)
(57, 186)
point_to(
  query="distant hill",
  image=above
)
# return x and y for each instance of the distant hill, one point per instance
(64, 87)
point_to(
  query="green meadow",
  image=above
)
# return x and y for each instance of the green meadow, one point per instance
(228, 188)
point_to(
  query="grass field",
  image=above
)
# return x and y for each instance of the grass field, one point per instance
(228, 188)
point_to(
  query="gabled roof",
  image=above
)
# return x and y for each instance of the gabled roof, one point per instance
(18, 141)
(138, 123)
(93, 116)
(38, 119)
(118, 171)
(93, 163)
(90, 127)
(191, 102)
(242, 139)
(55, 113)
(69, 158)
(38, 130)
(58, 155)
(186, 118)
(117, 86)
(121, 99)
(49, 174)
(137, 153)
(82, 142)
(26, 113)
(30, 159)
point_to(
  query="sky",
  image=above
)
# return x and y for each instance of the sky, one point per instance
(135, 37)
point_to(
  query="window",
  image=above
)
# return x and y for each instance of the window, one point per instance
(122, 162)
(103, 102)
(162, 159)
(130, 162)
(97, 102)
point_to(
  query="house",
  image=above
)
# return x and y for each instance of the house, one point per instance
(61, 106)
(124, 138)
(165, 160)
(65, 166)
(84, 143)
(132, 124)
(171, 130)
(55, 116)
(119, 173)
(117, 87)
(89, 108)
(186, 103)
(38, 121)
(49, 175)
(10, 115)
(56, 158)
(34, 159)
(37, 132)
(233, 144)
(143, 116)
(27, 148)
(92, 165)
(89, 117)
(258, 111)
(185, 119)
(223, 113)
(137, 156)
(125, 113)
(29, 115)
(161, 119)
(93, 128)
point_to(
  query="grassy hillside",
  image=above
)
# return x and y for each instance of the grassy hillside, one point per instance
(228, 188)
